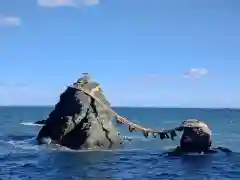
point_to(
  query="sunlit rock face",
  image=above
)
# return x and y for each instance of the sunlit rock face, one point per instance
(79, 121)
(196, 136)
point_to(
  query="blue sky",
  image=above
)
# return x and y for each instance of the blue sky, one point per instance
(143, 52)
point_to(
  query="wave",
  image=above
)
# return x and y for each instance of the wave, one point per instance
(31, 124)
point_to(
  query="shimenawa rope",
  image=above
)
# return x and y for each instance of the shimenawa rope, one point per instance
(131, 126)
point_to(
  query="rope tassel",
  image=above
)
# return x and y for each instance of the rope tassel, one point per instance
(145, 133)
(162, 136)
(173, 134)
(154, 136)
(166, 134)
(131, 129)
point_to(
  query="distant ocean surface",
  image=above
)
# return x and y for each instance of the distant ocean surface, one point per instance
(139, 160)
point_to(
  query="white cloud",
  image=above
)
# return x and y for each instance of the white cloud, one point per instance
(195, 73)
(9, 21)
(70, 3)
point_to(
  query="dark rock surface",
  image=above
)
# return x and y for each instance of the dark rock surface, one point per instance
(78, 121)
(196, 136)
(41, 122)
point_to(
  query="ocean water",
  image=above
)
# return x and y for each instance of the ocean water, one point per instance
(140, 159)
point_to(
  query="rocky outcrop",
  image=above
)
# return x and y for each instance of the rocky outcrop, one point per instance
(79, 121)
(196, 136)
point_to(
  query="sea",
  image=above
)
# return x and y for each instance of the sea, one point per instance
(139, 159)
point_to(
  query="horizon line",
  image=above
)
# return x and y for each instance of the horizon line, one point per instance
(129, 106)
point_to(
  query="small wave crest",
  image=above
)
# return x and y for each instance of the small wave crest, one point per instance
(28, 142)
(31, 124)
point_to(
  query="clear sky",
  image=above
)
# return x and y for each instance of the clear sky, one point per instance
(139, 50)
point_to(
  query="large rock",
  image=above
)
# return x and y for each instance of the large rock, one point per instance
(196, 136)
(79, 121)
